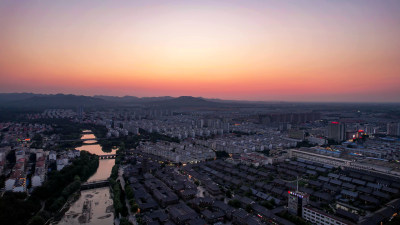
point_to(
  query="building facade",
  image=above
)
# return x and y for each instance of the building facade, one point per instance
(337, 131)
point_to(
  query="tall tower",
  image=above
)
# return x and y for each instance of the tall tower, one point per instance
(80, 112)
(337, 131)
(296, 202)
(393, 129)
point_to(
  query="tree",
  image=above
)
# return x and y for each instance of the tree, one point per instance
(122, 146)
(37, 220)
(234, 203)
(129, 192)
(11, 157)
(248, 193)
(114, 172)
(71, 188)
(228, 194)
(304, 143)
(57, 204)
(272, 201)
(134, 208)
(221, 154)
(267, 204)
(248, 208)
(14, 210)
(265, 152)
(124, 221)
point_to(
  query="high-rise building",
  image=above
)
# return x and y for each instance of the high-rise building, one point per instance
(80, 112)
(337, 131)
(393, 129)
(297, 200)
(284, 126)
(201, 123)
(369, 129)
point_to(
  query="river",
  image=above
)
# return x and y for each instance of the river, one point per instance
(93, 206)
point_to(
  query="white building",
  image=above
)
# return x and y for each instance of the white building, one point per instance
(52, 155)
(71, 154)
(324, 159)
(36, 181)
(321, 218)
(9, 184)
(39, 153)
(61, 163)
(77, 153)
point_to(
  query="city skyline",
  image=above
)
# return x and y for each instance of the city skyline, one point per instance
(132, 98)
(258, 50)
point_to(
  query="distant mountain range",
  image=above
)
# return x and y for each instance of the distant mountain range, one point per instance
(31, 100)
(186, 101)
(130, 99)
(42, 101)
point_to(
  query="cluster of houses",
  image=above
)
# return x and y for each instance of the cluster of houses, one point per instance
(269, 139)
(180, 126)
(40, 172)
(15, 133)
(353, 193)
(184, 152)
(63, 158)
(258, 159)
(166, 196)
(53, 114)
(18, 180)
(169, 196)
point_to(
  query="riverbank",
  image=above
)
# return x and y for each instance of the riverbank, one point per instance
(94, 206)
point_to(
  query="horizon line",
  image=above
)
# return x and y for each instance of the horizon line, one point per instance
(219, 99)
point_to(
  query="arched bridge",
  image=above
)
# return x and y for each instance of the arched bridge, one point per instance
(89, 139)
(111, 156)
(94, 184)
(84, 139)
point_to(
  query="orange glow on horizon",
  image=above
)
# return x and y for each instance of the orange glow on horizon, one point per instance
(224, 50)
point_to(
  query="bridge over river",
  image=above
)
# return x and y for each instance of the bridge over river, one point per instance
(94, 184)
(110, 156)
(83, 139)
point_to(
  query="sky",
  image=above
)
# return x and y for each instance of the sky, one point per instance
(286, 50)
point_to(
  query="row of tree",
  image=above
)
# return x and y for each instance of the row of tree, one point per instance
(130, 195)
(118, 199)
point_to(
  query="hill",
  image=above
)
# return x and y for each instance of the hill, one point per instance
(49, 101)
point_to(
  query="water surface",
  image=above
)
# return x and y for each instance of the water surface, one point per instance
(94, 207)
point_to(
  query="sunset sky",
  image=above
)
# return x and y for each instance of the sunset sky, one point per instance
(290, 50)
